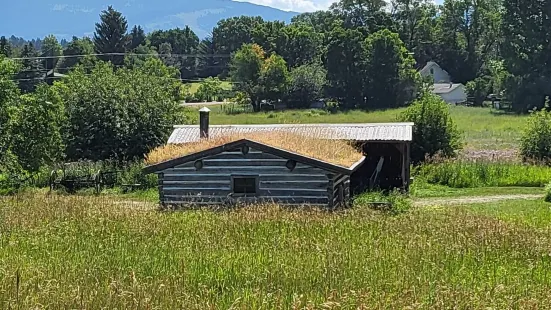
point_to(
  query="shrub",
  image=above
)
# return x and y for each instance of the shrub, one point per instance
(434, 131)
(548, 192)
(209, 90)
(394, 202)
(536, 138)
(332, 106)
(479, 89)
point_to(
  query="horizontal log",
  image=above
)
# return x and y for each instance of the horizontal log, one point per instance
(245, 162)
(246, 170)
(197, 184)
(279, 177)
(186, 204)
(251, 200)
(196, 192)
(250, 155)
(292, 192)
(303, 184)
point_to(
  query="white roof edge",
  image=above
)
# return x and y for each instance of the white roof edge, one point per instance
(302, 125)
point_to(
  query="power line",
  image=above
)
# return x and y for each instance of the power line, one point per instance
(125, 54)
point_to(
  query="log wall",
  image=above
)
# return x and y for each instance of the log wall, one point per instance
(212, 184)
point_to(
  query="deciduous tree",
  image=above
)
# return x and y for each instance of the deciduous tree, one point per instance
(391, 79)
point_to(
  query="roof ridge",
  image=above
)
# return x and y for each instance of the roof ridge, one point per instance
(302, 125)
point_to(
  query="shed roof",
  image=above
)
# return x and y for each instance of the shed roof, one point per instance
(445, 88)
(258, 146)
(399, 132)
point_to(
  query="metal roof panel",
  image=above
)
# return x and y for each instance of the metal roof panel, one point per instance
(400, 132)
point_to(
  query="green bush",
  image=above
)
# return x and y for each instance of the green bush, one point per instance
(548, 192)
(132, 174)
(479, 89)
(434, 131)
(332, 106)
(536, 138)
(393, 202)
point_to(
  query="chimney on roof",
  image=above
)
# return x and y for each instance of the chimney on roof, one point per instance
(204, 122)
(451, 84)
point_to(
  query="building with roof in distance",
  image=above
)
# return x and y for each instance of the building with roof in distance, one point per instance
(249, 169)
(435, 72)
(450, 92)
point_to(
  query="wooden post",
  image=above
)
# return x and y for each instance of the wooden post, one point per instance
(403, 150)
(408, 164)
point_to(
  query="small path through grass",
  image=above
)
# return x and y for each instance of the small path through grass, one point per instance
(473, 200)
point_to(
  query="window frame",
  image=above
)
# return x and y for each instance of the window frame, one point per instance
(244, 176)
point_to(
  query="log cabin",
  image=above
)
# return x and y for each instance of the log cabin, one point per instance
(247, 171)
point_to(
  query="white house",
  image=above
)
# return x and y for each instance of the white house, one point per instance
(451, 93)
(436, 72)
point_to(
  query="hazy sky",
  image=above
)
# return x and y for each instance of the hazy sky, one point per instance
(298, 5)
(295, 5)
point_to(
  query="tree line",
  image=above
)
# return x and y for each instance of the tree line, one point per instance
(496, 46)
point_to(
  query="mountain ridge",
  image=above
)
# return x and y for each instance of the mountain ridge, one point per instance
(37, 18)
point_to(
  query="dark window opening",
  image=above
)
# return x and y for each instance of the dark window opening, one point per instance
(244, 185)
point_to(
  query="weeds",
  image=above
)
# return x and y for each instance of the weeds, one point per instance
(394, 202)
(468, 174)
(93, 253)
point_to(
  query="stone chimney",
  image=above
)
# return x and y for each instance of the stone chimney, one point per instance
(204, 123)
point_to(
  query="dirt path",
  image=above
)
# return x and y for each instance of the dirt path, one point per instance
(472, 200)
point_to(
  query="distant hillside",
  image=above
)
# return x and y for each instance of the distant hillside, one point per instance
(38, 18)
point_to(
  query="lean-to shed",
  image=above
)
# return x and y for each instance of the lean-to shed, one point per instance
(246, 171)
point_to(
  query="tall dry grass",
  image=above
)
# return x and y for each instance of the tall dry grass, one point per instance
(93, 253)
(332, 151)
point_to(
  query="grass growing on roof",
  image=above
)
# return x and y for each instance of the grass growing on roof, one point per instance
(332, 151)
(93, 253)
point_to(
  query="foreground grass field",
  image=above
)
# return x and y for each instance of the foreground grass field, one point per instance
(483, 129)
(92, 253)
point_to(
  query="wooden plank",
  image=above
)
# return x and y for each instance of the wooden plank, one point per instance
(194, 192)
(214, 200)
(330, 193)
(304, 184)
(292, 177)
(250, 155)
(245, 162)
(341, 179)
(197, 184)
(209, 199)
(160, 180)
(293, 192)
(195, 176)
(199, 204)
(246, 170)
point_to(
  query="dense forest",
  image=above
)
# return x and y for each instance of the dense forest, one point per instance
(121, 87)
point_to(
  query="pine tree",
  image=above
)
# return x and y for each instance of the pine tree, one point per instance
(32, 73)
(208, 65)
(111, 36)
(137, 37)
(5, 47)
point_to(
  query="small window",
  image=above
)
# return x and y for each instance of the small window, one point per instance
(244, 185)
(432, 71)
